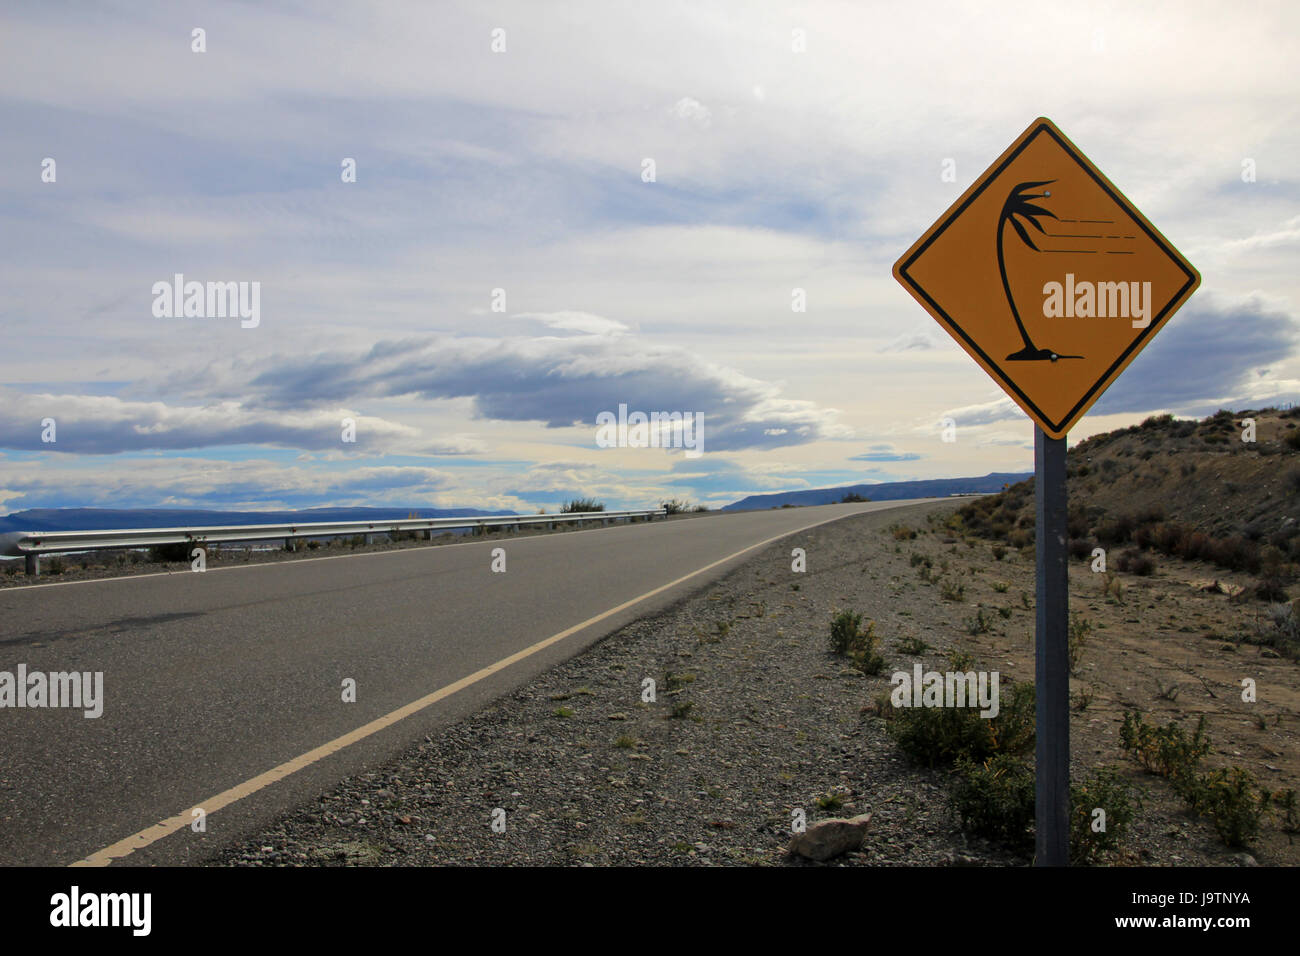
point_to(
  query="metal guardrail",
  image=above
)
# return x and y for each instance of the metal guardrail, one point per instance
(33, 544)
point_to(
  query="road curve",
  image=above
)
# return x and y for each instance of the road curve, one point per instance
(230, 682)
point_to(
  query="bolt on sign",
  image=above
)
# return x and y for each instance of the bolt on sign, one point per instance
(1048, 277)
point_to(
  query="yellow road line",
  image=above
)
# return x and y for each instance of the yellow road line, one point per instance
(138, 841)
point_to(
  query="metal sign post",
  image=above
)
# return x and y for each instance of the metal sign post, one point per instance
(1052, 655)
(1053, 282)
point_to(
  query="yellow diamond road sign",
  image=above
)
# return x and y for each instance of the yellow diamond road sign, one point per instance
(1048, 277)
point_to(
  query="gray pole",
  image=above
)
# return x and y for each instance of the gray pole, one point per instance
(1051, 657)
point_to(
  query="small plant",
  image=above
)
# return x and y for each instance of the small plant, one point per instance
(995, 799)
(902, 532)
(1233, 802)
(1285, 802)
(682, 709)
(624, 742)
(912, 646)
(981, 622)
(951, 590)
(675, 682)
(562, 712)
(581, 506)
(1135, 562)
(1026, 601)
(1166, 751)
(1000, 587)
(999, 552)
(849, 639)
(1167, 692)
(1112, 587)
(845, 630)
(945, 735)
(1005, 612)
(830, 802)
(673, 506)
(1080, 628)
(1120, 802)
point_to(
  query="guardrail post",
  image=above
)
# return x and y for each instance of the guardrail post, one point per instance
(33, 565)
(370, 539)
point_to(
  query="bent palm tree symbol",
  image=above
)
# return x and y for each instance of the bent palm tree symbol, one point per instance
(1018, 204)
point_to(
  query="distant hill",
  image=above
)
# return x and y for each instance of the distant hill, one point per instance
(101, 519)
(884, 491)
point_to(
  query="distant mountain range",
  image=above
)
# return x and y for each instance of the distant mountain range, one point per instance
(885, 491)
(103, 519)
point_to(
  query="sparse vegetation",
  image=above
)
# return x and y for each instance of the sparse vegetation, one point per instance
(940, 736)
(951, 590)
(981, 622)
(848, 639)
(912, 646)
(1077, 641)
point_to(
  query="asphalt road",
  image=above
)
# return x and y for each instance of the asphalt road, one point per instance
(213, 679)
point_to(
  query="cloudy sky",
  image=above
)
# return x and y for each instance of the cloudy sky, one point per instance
(500, 271)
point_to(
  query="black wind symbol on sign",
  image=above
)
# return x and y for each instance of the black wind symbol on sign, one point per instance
(1018, 204)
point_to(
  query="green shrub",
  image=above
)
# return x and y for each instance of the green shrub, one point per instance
(1166, 751)
(912, 646)
(1285, 802)
(1107, 791)
(845, 628)
(1232, 801)
(944, 735)
(995, 799)
(1080, 628)
(581, 505)
(848, 639)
